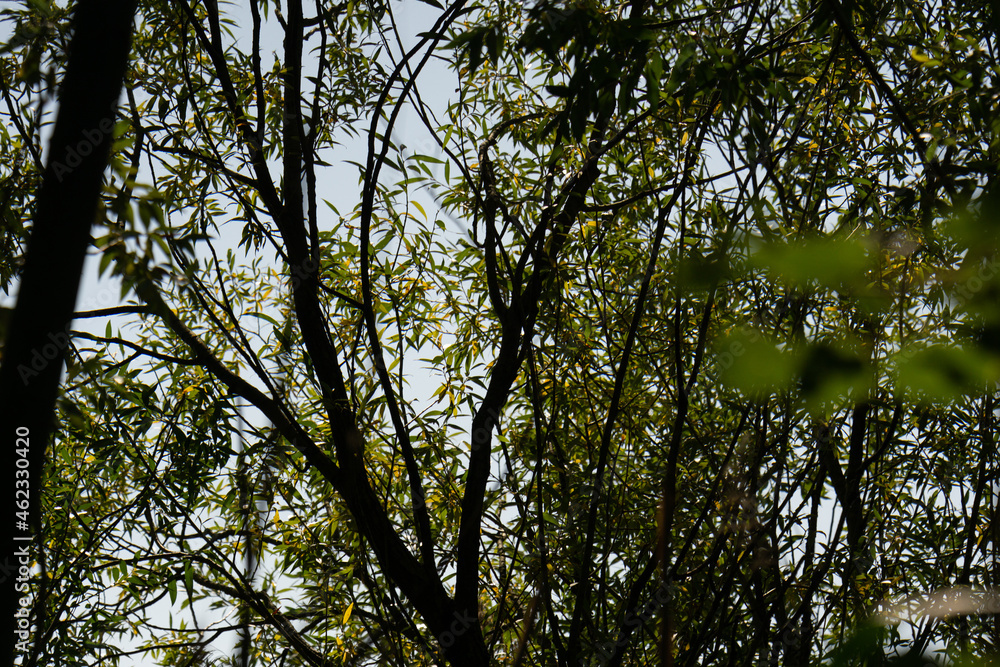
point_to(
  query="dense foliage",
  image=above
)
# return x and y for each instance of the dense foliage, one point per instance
(674, 341)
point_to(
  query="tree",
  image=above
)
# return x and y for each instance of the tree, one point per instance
(706, 295)
(37, 341)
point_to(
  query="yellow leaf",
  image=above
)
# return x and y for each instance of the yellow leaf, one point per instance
(810, 79)
(347, 614)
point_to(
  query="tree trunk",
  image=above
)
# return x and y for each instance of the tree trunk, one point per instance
(39, 333)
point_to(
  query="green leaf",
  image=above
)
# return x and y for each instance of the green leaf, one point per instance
(833, 371)
(940, 373)
(751, 363)
(824, 261)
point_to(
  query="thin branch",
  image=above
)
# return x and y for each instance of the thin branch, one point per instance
(138, 348)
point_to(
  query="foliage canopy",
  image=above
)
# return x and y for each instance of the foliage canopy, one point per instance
(674, 339)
